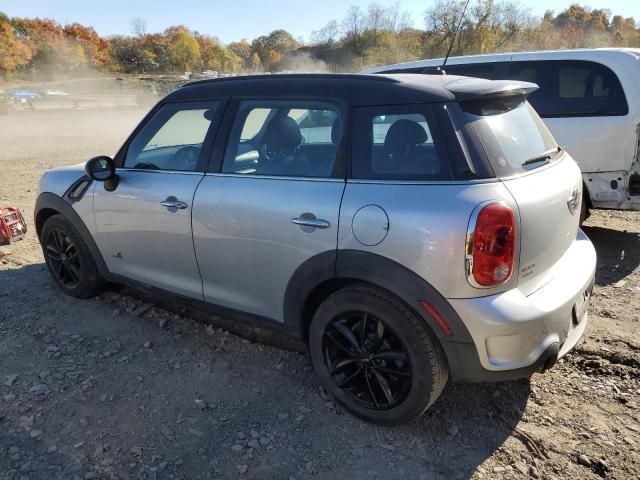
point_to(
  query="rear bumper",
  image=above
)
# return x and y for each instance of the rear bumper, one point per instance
(516, 335)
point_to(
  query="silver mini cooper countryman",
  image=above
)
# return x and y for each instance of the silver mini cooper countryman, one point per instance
(411, 229)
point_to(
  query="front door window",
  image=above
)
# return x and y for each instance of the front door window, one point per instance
(173, 139)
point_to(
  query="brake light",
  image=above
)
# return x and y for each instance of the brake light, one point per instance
(491, 246)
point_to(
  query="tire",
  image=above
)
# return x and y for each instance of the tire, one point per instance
(402, 331)
(74, 271)
(584, 211)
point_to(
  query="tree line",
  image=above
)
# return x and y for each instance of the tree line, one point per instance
(363, 37)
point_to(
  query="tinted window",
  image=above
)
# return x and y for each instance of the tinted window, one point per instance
(406, 70)
(511, 133)
(572, 88)
(480, 70)
(287, 138)
(172, 139)
(397, 143)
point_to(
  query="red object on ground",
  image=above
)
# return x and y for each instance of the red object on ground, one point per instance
(12, 225)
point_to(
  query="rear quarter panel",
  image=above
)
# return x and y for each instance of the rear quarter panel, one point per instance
(427, 228)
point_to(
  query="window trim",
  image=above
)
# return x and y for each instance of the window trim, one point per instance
(360, 139)
(207, 144)
(223, 137)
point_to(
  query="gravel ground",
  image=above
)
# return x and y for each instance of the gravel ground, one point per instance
(116, 387)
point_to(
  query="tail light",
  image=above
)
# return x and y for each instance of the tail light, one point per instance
(491, 246)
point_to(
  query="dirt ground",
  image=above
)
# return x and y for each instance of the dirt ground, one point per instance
(114, 387)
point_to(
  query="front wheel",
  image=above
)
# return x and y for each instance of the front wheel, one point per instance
(375, 356)
(68, 259)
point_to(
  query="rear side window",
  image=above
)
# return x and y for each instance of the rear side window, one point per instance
(512, 134)
(398, 143)
(572, 88)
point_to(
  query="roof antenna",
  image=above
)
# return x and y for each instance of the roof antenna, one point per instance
(453, 39)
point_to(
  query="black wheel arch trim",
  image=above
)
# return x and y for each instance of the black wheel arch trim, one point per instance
(355, 265)
(51, 201)
(314, 272)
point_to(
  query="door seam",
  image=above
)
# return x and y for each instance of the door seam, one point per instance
(193, 237)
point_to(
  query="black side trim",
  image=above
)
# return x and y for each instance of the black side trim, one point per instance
(74, 193)
(254, 327)
(50, 201)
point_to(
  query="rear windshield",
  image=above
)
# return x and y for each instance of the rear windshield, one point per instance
(512, 134)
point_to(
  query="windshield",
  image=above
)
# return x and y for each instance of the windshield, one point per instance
(513, 136)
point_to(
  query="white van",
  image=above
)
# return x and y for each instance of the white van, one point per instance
(589, 99)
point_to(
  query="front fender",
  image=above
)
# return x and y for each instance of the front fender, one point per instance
(49, 204)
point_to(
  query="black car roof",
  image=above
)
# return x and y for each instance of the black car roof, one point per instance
(351, 89)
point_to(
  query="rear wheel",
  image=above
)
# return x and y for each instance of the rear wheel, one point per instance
(584, 209)
(68, 259)
(376, 356)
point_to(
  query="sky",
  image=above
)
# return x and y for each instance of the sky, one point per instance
(232, 20)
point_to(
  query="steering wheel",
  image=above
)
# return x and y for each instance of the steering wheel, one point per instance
(264, 156)
(146, 166)
(186, 158)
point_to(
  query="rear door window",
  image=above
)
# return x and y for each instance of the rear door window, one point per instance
(398, 143)
(284, 138)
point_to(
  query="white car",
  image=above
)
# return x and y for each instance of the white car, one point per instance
(589, 99)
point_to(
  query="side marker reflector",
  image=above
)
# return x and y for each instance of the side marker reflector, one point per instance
(436, 316)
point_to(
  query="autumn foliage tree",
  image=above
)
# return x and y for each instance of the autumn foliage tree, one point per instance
(14, 53)
(95, 49)
(183, 48)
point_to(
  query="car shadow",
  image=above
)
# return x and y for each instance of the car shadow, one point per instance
(618, 253)
(473, 420)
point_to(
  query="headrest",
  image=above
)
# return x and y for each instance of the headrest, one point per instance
(282, 133)
(404, 133)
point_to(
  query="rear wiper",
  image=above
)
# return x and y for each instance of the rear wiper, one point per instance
(544, 156)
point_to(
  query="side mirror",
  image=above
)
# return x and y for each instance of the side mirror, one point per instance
(103, 169)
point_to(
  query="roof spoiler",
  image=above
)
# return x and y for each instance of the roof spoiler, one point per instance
(477, 88)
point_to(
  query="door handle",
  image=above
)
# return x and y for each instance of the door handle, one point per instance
(311, 222)
(170, 203)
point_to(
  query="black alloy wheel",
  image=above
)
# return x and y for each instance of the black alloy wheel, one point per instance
(62, 254)
(378, 359)
(367, 361)
(68, 258)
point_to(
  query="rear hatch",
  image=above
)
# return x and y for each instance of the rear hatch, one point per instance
(544, 181)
